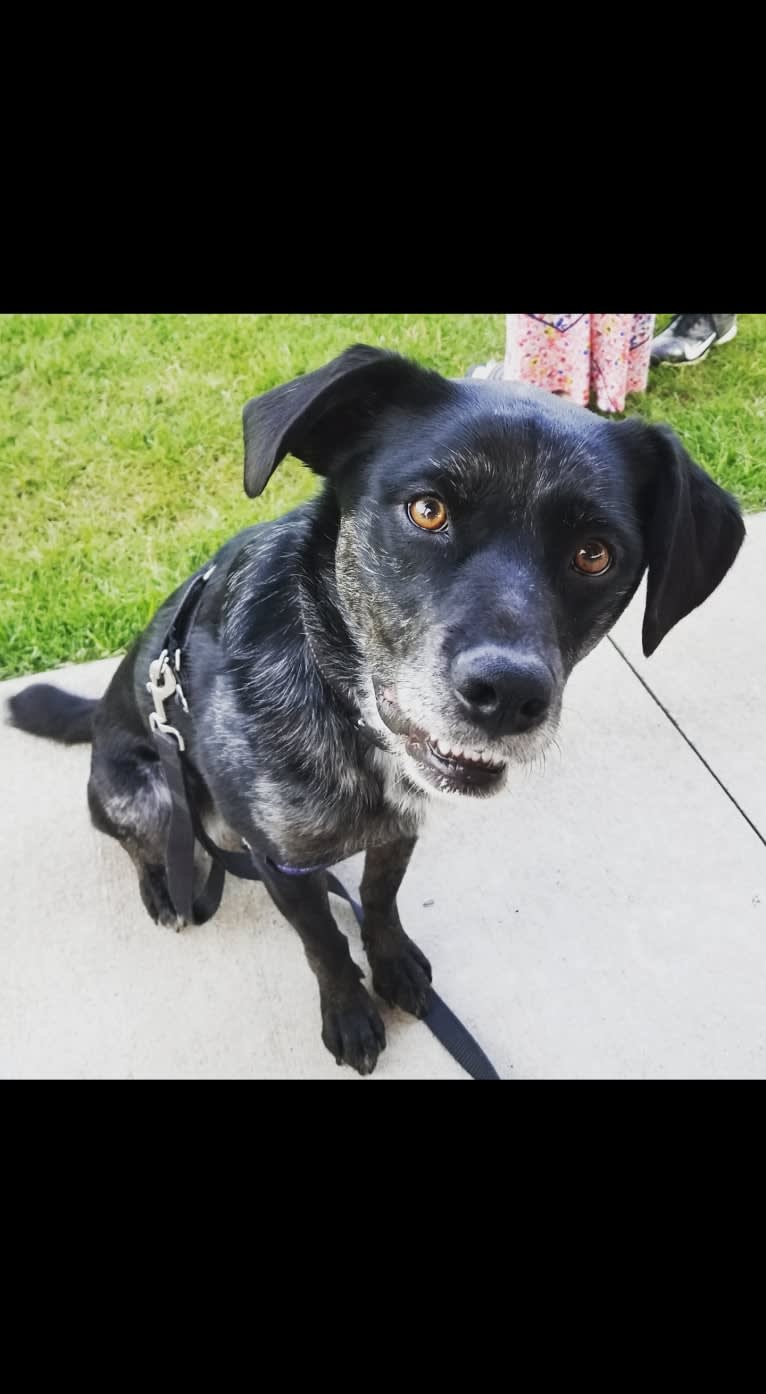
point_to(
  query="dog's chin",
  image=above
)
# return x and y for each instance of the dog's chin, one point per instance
(431, 763)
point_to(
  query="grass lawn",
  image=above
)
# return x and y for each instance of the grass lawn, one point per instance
(121, 453)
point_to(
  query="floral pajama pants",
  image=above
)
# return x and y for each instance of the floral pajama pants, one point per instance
(607, 355)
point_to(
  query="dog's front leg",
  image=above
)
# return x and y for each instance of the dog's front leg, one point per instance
(352, 1028)
(401, 974)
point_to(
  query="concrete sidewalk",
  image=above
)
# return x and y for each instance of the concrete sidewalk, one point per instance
(607, 919)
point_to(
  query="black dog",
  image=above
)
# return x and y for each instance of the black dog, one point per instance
(406, 633)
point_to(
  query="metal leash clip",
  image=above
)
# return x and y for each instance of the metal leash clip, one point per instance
(163, 684)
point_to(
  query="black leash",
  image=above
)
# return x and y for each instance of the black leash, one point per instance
(186, 829)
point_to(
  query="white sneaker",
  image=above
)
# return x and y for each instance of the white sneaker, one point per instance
(493, 370)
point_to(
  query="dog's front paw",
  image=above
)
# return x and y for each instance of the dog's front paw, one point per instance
(403, 977)
(353, 1031)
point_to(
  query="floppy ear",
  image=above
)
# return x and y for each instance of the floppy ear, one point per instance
(321, 416)
(693, 529)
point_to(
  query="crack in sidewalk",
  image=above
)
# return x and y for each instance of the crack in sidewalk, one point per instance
(689, 742)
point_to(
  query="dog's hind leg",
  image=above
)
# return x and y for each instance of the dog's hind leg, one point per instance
(129, 799)
(401, 974)
(352, 1029)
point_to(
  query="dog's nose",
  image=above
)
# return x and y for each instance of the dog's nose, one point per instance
(502, 690)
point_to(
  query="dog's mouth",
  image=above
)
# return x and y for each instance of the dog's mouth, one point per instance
(444, 764)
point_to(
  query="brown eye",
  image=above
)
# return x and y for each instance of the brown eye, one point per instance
(593, 558)
(428, 512)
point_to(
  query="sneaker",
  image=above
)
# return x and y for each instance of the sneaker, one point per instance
(489, 371)
(689, 338)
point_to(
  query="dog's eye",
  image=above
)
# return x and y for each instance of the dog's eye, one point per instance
(428, 512)
(593, 558)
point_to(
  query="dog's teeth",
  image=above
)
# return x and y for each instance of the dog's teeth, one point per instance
(460, 752)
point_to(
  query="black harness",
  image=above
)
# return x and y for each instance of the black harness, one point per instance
(186, 828)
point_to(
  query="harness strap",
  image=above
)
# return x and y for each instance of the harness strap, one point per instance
(179, 852)
(182, 620)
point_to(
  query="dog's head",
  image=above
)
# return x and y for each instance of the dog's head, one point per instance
(489, 536)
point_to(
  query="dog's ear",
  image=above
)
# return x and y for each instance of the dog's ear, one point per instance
(320, 417)
(693, 529)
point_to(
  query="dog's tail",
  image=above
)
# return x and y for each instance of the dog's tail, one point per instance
(44, 710)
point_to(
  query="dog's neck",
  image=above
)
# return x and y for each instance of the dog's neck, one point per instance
(329, 639)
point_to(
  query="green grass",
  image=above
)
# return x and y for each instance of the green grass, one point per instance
(121, 455)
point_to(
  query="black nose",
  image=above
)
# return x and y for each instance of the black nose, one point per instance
(502, 690)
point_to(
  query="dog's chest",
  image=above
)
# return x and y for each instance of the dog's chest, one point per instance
(320, 821)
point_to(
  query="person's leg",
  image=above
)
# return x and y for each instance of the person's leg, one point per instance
(549, 351)
(639, 352)
(689, 338)
(620, 347)
(608, 359)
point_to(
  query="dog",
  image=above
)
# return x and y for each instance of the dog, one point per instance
(405, 635)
